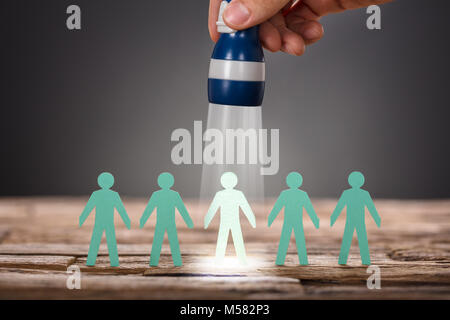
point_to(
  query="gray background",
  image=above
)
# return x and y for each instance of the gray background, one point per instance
(108, 97)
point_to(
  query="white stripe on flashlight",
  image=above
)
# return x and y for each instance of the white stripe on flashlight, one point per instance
(237, 70)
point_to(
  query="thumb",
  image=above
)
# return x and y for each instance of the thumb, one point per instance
(243, 14)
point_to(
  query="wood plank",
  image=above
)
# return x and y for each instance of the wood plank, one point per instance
(42, 238)
(123, 249)
(127, 265)
(15, 208)
(76, 250)
(4, 232)
(15, 270)
(399, 274)
(439, 253)
(36, 262)
(53, 286)
(25, 286)
(332, 291)
(82, 249)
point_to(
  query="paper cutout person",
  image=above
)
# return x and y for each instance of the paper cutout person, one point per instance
(356, 200)
(229, 201)
(166, 201)
(293, 200)
(104, 201)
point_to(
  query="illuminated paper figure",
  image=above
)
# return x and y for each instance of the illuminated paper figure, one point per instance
(165, 201)
(293, 200)
(229, 201)
(104, 201)
(356, 199)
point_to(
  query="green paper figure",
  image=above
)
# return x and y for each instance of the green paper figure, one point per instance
(293, 200)
(229, 201)
(104, 201)
(356, 200)
(165, 201)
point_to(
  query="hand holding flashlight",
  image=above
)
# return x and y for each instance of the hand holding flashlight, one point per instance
(285, 25)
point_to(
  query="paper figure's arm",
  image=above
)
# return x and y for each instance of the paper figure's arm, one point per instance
(337, 211)
(122, 212)
(311, 212)
(212, 211)
(279, 204)
(148, 210)
(245, 206)
(87, 210)
(373, 211)
(183, 211)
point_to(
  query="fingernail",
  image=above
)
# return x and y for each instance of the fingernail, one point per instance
(292, 49)
(236, 13)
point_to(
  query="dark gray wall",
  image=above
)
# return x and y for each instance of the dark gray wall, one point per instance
(108, 97)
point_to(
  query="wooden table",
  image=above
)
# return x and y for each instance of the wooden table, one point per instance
(40, 238)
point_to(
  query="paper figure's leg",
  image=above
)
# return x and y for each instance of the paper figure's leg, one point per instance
(222, 240)
(112, 246)
(239, 246)
(346, 243)
(174, 246)
(363, 243)
(301, 245)
(158, 239)
(284, 244)
(97, 234)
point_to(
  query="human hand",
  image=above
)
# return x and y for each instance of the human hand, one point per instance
(290, 33)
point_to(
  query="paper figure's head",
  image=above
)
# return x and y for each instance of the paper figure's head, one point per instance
(228, 180)
(294, 180)
(105, 180)
(165, 180)
(356, 179)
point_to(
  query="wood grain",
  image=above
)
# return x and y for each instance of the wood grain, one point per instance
(40, 238)
(36, 262)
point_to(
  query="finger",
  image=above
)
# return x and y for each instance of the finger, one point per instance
(243, 14)
(270, 37)
(214, 6)
(302, 12)
(292, 42)
(311, 31)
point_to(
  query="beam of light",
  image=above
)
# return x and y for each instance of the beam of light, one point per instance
(251, 182)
